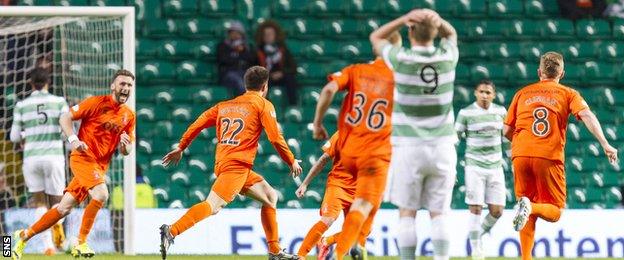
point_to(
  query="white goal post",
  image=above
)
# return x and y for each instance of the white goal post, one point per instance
(128, 22)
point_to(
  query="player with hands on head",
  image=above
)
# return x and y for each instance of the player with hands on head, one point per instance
(424, 159)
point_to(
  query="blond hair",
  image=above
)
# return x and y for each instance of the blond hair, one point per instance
(551, 64)
(424, 31)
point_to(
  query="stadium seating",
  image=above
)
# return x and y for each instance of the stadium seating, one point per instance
(499, 39)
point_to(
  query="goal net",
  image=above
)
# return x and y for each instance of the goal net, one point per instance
(81, 52)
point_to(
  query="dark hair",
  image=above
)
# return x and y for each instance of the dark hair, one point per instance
(255, 77)
(123, 72)
(39, 77)
(280, 37)
(486, 82)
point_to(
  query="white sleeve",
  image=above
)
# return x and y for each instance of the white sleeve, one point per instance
(65, 107)
(16, 128)
(385, 54)
(460, 124)
(450, 47)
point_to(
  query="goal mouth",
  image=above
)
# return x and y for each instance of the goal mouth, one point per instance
(81, 48)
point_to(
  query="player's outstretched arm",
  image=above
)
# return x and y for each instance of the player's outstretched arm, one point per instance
(268, 120)
(66, 125)
(314, 171)
(172, 157)
(327, 95)
(593, 125)
(205, 120)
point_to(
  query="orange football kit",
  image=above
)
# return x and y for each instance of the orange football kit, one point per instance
(239, 123)
(103, 122)
(539, 116)
(340, 187)
(364, 128)
(339, 194)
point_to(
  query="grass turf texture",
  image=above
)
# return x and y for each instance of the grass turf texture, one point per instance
(225, 257)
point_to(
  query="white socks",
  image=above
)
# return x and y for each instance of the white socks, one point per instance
(440, 238)
(407, 238)
(46, 236)
(488, 223)
(474, 234)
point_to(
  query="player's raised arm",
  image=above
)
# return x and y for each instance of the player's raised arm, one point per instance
(205, 120)
(327, 95)
(447, 31)
(314, 171)
(380, 37)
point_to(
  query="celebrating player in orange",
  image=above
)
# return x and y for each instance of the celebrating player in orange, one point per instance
(339, 194)
(536, 125)
(364, 137)
(239, 123)
(106, 123)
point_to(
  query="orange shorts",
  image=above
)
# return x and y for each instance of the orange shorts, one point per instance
(88, 173)
(233, 178)
(336, 199)
(540, 180)
(371, 173)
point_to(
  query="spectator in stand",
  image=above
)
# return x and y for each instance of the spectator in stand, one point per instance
(577, 9)
(234, 57)
(615, 9)
(275, 57)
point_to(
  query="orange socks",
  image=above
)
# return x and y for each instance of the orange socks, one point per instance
(527, 238)
(548, 212)
(366, 228)
(88, 217)
(195, 214)
(350, 231)
(313, 236)
(46, 221)
(330, 240)
(269, 223)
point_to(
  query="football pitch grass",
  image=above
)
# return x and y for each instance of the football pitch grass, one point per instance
(232, 257)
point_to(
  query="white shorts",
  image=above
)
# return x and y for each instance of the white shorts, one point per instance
(45, 175)
(485, 186)
(422, 177)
